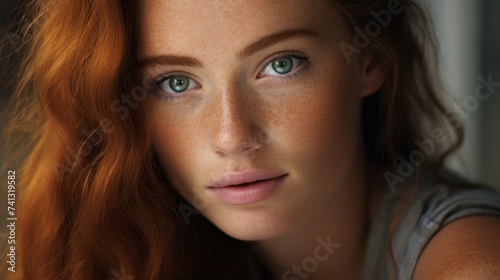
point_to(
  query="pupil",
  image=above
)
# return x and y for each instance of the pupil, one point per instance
(179, 84)
(283, 65)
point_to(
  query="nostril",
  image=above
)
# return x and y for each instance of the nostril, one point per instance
(238, 144)
(237, 129)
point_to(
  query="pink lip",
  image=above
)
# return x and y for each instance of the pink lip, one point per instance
(248, 187)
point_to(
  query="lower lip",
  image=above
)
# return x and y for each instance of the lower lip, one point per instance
(249, 194)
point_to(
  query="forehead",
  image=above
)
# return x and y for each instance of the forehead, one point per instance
(176, 26)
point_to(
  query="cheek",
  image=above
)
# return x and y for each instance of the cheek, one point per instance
(313, 129)
(321, 131)
(174, 141)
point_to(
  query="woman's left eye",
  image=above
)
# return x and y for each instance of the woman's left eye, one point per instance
(176, 84)
(282, 65)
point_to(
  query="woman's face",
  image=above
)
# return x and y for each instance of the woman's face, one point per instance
(254, 91)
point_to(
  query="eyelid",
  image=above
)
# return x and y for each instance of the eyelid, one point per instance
(163, 77)
(297, 54)
(155, 82)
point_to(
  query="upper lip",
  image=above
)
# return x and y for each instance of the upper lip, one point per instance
(247, 176)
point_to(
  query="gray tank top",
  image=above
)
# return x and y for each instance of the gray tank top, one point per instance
(433, 206)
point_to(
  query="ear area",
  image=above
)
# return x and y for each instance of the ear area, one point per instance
(374, 77)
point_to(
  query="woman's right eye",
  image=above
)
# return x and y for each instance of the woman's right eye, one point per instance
(176, 84)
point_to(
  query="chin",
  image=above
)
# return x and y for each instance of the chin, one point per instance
(252, 225)
(253, 234)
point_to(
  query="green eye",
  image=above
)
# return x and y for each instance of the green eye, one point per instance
(176, 84)
(179, 83)
(282, 65)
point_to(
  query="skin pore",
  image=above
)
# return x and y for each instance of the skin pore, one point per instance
(236, 112)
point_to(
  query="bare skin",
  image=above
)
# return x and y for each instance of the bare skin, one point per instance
(466, 249)
(238, 113)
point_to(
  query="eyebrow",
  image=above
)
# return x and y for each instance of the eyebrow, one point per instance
(257, 46)
(275, 38)
(169, 60)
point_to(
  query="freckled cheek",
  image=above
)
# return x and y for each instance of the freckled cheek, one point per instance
(320, 131)
(175, 142)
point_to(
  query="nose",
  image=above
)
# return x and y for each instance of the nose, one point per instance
(236, 130)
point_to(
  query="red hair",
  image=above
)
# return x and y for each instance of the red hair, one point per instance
(95, 202)
(92, 201)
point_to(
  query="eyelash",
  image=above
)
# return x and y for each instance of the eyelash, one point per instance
(287, 77)
(155, 83)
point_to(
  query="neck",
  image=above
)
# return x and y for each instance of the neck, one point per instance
(329, 243)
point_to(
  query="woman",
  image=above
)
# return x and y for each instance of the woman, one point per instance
(241, 140)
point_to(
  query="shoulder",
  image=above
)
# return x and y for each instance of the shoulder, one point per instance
(467, 248)
(444, 230)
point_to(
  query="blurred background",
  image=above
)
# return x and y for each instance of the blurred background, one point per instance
(469, 35)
